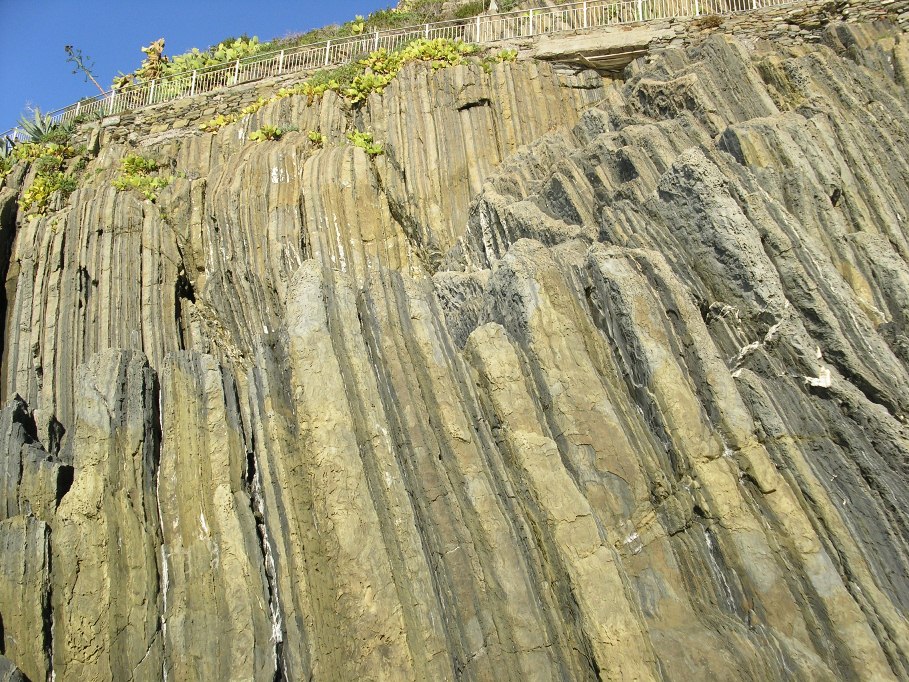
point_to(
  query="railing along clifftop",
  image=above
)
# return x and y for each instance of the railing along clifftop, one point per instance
(483, 29)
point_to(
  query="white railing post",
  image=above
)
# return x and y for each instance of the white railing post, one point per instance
(585, 13)
(375, 42)
(327, 48)
(426, 31)
(192, 85)
(237, 72)
(531, 22)
(478, 28)
(281, 62)
(78, 106)
(110, 104)
(151, 92)
(697, 10)
(640, 11)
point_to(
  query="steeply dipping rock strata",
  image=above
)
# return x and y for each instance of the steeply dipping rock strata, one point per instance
(580, 379)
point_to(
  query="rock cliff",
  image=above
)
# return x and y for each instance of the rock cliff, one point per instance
(580, 379)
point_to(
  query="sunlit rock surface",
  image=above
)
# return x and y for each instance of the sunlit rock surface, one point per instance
(578, 380)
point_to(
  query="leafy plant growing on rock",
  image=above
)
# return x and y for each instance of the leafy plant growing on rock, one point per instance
(134, 164)
(42, 128)
(49, 159)
(266, 133)
(6, 162)
(317, 138)
(39, 193)
(217, 123)
(382, 66)
(222, 120)
(502, 57)
(355, 82)
(364, 141)
(471, 9)
(136, 174)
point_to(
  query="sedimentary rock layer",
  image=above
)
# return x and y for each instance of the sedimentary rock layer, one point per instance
(580, 379)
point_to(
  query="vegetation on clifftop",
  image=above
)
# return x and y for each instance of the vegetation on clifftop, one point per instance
(56, 164)
(157, 65)
(356, 82)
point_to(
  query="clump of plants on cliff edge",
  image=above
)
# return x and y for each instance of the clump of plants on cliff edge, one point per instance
(502, 57)
(49, 160)
(157, 65)
(222, 120)
(6, 160)
(50, 154)
(381, 67)
(139, 173)
(355, 82)
(41, 128)
(406, 14)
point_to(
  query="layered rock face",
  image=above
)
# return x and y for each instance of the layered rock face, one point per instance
(578, 380)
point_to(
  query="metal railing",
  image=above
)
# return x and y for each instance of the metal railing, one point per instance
(330, 53)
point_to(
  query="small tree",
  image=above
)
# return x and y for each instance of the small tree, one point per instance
(82, 64)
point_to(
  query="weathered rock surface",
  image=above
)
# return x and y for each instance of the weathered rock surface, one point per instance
(579, 380)
(9, 672)
(208, 529)
(33, 481)
(25, 595)
(106, 540)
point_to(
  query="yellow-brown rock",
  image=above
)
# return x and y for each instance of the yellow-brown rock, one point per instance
(579, 379)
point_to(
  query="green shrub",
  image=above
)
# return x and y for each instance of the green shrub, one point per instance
(146, 185)
(136, 174)
(364, 142)
(217, 122)
(48, 160)
(48, 164)
(31, 151)
(317, 138)
(7, 161)
(254, 107)
(37, 197)
(471, 9)
(266, 133)
(134, 164)
(500, 57)
(382, 66)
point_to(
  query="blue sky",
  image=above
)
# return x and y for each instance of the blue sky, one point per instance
(33, 33)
